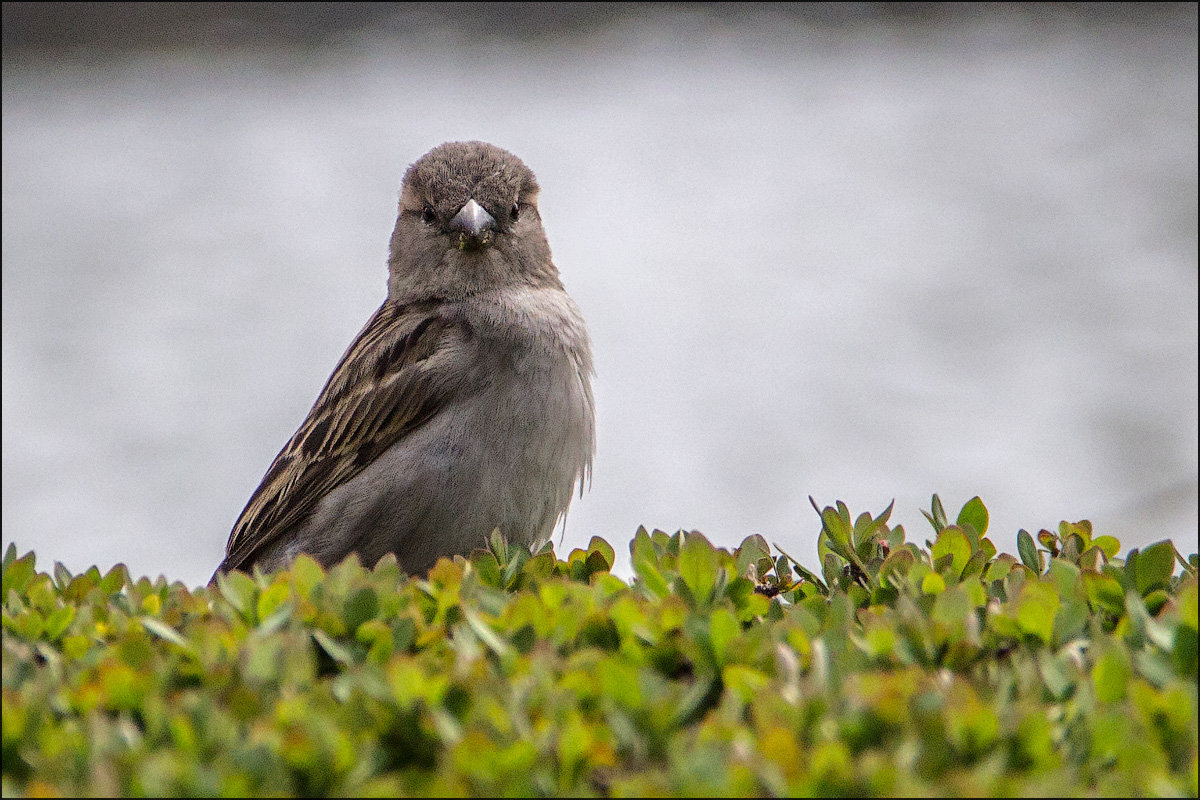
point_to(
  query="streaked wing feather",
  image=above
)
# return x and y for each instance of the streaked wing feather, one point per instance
(378, 392)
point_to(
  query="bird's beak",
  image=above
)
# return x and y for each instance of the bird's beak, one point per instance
(475, 226)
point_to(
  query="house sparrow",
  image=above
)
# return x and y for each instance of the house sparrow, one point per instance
(464, 405)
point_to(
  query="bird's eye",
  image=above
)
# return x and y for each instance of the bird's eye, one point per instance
(428, 214)
(515, 211)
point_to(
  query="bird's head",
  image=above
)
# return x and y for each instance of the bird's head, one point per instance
(468, 222)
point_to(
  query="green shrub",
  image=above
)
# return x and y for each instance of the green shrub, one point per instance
(948, 669)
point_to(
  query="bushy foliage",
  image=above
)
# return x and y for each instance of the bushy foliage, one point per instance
(947, 669)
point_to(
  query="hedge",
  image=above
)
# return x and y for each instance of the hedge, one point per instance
(896, 669)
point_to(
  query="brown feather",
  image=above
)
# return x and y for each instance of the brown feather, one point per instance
(368, 403)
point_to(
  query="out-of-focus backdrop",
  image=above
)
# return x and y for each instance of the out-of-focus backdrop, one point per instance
(857, 252)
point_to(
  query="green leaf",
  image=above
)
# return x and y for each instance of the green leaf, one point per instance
(1055, 675)
(18, 572)
(498, 546)
(1154, 566)
(115, 579)
(164, 631)
(1048, 540)
(541, 565)
(952, 542)
(973, 587)
(975, 564)
(362, 605)
(596, 562)
(745, 682)
(518, 557)
(749, 552)
(487, 635)
(272, 598)
(1073, 547)
(1111, 676)
(878, 642)
(867, 528)
(1064, 574)
(804, 572)
(240, 590)
(951, 609)
(1037, 605)
(62, 576)
(1187, 645)
(1156, 600)
(1104, 592)
(975, 514)
(862, 536)
(598, 545)
(28, 623)
(1185, 563)
(1108, 544)
(698, 566)
(899, 561)
(1070, 620)
(645, 563)
(58, 622)
(831, 568)
(838, 530)
(1091, 559)
(306, 573)
(988, 549)
(939, 514)
(336, 651)
(1189, 614)
(485, 563)
(619, 681)
(724, 628)
(1000, 567)
(1028, 551)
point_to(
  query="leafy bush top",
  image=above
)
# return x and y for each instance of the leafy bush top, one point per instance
(947, 669)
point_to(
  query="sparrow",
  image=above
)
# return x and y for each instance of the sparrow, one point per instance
(463, 406)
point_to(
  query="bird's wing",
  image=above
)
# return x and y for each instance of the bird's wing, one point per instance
(387, 384)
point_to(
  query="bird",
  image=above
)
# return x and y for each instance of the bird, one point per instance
(463, 406)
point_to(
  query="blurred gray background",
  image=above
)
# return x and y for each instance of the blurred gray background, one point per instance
(857, 252)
